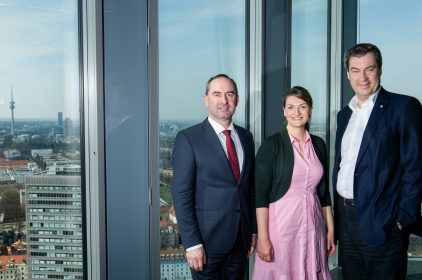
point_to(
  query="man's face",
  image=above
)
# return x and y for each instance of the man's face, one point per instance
(364, 75)
(221, 100)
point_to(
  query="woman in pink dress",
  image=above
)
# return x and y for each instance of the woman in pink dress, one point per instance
(293, 204)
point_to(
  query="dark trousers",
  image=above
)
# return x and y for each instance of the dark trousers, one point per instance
(230, 266)
(361, 261)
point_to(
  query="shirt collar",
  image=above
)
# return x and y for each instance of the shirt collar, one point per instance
(307, 137)
(353, 102)
(218, 128)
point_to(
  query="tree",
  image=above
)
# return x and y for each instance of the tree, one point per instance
(10, 203)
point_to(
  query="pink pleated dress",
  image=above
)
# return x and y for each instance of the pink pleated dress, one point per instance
(296, 225)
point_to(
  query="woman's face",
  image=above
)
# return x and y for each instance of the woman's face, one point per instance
(297, 112)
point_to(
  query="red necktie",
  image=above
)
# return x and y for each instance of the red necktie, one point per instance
(231, 151)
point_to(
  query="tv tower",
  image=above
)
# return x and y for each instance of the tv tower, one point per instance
(12, 107)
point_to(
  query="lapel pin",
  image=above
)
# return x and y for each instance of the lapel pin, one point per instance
(381, 106)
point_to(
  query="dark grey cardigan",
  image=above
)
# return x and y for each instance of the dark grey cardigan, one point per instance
(274, 169)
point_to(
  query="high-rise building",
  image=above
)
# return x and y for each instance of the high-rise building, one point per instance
(60, 118)
(68, 127)
(12, 107)
(54, 227)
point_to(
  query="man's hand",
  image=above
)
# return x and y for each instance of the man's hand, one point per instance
(253, 244)
(196, 258)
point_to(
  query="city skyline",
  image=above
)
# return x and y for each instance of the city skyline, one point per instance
(39, 53)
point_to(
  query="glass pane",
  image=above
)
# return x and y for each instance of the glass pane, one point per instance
(310, 57)
(41, 234)
(395, 28)
(198, 39)
(277, 72)
(310, 42)
(126, 128)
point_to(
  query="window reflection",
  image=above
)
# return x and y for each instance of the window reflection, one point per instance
(41, 234)
(198, 39)
(126, 139)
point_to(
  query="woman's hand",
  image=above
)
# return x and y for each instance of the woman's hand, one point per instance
(331, 247)
(265, 250)
(327, 214)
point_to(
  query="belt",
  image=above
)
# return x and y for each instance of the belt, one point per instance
(347, 202)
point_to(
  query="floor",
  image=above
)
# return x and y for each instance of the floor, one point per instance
(414, 271)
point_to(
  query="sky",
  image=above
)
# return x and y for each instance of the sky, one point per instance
(309, 58)
(192, 37)
(39, 58)
(198, 39)
(396, 28)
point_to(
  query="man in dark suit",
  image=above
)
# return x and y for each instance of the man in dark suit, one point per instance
(377, 171)
(213, 188)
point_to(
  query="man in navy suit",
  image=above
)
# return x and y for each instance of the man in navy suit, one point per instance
(377, 171)
(214, 206)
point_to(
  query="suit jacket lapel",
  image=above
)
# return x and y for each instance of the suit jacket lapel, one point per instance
(342, 124)
(214, 142)
(343, 120)
(245, 149)
(380, 106)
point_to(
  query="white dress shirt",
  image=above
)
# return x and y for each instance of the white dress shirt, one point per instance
(350, 144)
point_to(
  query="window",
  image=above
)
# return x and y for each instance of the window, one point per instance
(198, 39)
(40, 133)
(395, 29)
(310, 61)
(398, 37)
(310, 57)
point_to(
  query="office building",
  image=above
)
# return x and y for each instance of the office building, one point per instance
(60, 118)
(54, 227)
